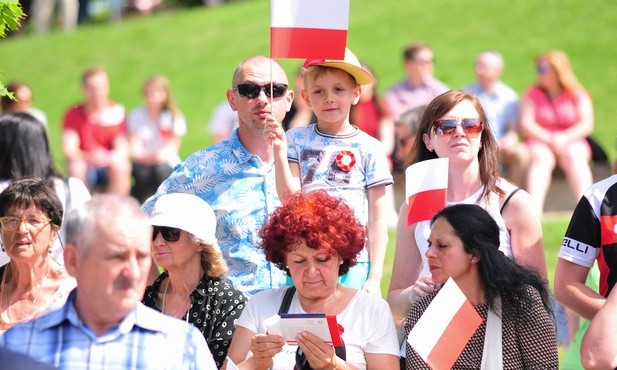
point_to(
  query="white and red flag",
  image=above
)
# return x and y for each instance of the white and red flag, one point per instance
(443, 330)
(426, 185)
(309, 29)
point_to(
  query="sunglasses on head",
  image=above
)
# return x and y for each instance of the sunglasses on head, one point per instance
(471, 126)
(169, 234)
(251, 90)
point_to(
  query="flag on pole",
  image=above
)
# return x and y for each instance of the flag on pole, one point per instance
(426, 185)
(309, 28)
(443, 330)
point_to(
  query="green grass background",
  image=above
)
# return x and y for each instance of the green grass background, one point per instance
(199, 48)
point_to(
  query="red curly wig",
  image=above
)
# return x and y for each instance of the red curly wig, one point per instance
(323, 221)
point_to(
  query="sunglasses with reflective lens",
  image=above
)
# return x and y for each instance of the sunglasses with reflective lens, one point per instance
(169, 234)
(251, 90)
(471, 126)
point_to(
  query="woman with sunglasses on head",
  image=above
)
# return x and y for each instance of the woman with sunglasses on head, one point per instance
(192, 286)
(32, 283)
(556, 118)
(25, 152)
(454, 126)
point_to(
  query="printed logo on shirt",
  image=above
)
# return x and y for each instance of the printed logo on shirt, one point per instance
(578, 246)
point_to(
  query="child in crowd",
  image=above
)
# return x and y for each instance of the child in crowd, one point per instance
(338, 157)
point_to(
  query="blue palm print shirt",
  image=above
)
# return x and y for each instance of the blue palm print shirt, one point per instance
(241, 189)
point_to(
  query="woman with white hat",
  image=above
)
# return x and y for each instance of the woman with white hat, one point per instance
(192, 286)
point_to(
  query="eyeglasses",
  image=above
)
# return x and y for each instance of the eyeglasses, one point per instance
(251, 90)
(13, 223)
(471, 126)
(169, 234)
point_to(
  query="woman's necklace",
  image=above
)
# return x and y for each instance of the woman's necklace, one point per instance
(6, 321)
(163, 303)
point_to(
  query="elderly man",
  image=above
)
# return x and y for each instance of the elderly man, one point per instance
(420, 87)
(236, 176)
(93, 137)
(500, 103)
(103, 324)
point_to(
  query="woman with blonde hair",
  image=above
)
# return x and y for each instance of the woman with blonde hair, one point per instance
(155, 131)
(192, 286)
(556, 117)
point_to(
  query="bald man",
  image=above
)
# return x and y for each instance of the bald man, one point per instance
(236, 176)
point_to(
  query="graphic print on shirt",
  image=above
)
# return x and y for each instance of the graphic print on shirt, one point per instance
(317, 159)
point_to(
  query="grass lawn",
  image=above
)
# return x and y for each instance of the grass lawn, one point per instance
(199, 48)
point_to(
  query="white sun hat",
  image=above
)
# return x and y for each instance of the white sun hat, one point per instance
(187, 212)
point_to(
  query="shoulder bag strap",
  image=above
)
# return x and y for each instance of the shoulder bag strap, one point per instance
(289, 294)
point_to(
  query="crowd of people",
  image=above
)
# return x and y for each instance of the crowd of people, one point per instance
(184, 264)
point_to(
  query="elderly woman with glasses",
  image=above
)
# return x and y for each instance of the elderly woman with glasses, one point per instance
(192, 286)
(454, 126)
(32, 283)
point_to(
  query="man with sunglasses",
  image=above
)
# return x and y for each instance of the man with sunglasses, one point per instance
(236, 176)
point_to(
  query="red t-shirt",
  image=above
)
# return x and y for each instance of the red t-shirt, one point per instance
(101, 132)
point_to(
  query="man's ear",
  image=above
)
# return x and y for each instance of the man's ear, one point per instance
(231, 99)
(290, 99)
(70, 259)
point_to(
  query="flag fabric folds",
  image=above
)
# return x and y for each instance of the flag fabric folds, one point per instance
(443, 330)
(426, 185)
(309, 28)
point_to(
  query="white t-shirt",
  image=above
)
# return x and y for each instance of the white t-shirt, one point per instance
(155, 134)
(78, 195)
(367, 323)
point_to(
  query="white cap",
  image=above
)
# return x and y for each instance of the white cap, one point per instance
(187, 212)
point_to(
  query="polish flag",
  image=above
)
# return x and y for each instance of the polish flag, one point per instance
(426, 185)
(309, 29)
(443, 330)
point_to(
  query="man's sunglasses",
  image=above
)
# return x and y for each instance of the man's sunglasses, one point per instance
(471, 126)
(169, 234)
(251, 90)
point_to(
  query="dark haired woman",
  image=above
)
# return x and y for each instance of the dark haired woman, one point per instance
(31, 284)
(464, 246)
(315, 238)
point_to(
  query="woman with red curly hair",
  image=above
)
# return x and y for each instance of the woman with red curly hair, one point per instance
(315, 238)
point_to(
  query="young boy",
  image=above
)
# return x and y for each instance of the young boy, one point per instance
(335, 156)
